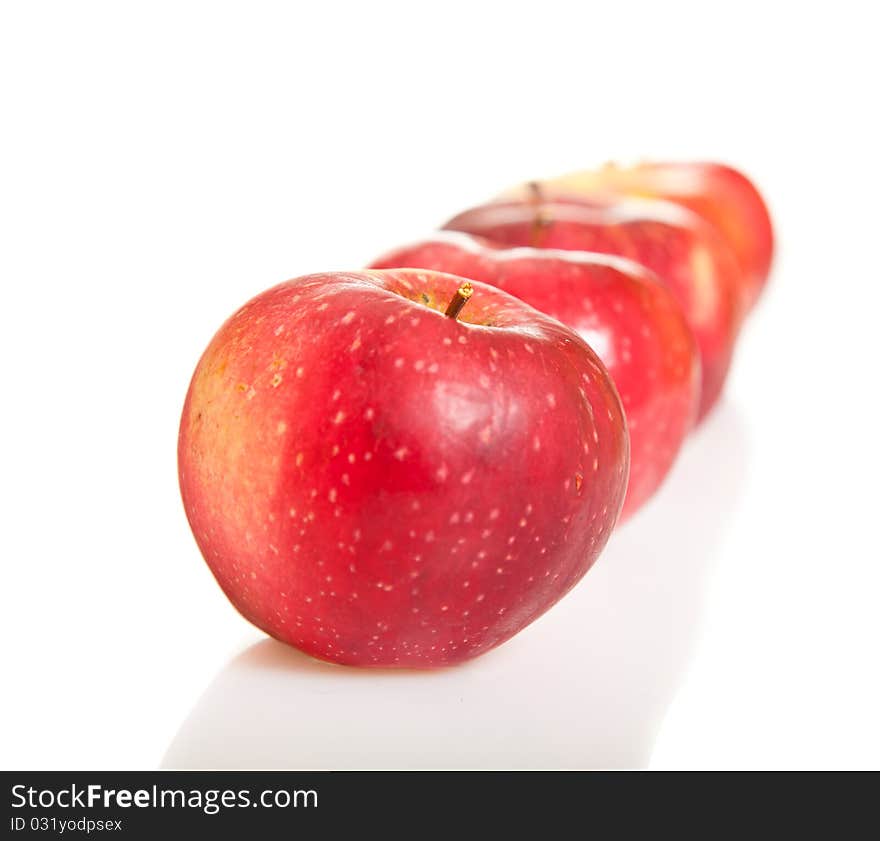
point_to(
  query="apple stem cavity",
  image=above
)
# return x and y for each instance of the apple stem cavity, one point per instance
(458, 301)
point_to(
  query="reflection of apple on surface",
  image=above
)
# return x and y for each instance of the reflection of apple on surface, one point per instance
(380, 484)
(722, 195)
(620, 309)
(674, 243)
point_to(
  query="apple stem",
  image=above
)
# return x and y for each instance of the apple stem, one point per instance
(542, 217)
(460, 298)
(540, 223)
(536, 192)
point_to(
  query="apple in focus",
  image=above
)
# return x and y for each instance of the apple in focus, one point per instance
(621, 309)
(378, 483)
(674, 243)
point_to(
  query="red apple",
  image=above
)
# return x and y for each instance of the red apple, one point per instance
(723, 196)
(380, 484)
(673, 242)
(620, 309)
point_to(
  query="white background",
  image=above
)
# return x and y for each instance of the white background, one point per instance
(162, 162)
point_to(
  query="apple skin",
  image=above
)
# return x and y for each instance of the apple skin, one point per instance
(720, 194)
(674, 243)
(378, 484)
(622, 310)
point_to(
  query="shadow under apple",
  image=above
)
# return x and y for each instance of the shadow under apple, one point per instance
(586, 686)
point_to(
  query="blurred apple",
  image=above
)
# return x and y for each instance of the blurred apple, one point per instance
(720, 194)
(678, 246)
